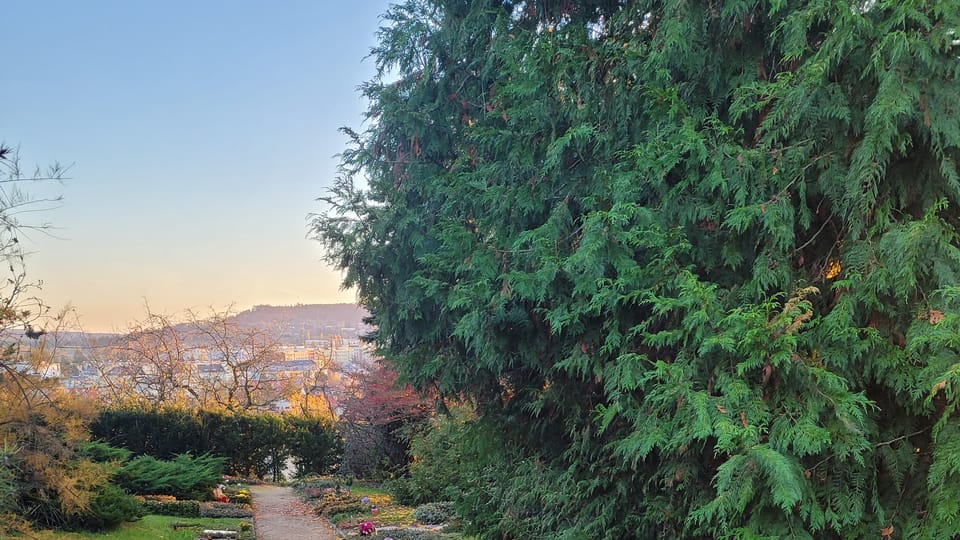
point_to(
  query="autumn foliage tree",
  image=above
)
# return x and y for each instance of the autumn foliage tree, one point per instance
(695, 263)
(377, 418)
(43, 478)
(41, 429)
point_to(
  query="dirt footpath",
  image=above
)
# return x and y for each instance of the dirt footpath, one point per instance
(279, 514)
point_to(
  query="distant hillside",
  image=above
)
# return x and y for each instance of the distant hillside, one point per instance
(293, 324)
(290, 325)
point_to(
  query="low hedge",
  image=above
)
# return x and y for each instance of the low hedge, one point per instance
(167, 507)
(225, 510)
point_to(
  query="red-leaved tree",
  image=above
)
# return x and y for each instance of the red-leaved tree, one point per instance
(377, 416)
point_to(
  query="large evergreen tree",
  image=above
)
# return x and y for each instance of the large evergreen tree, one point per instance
(696, 263)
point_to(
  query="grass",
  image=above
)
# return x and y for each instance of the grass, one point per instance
(388, 512)
(152, 528)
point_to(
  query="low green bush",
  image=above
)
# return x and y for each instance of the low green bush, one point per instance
(347, 518)
(435, 513)
(225, 510)
(185, 476)
(403, 490)
(110, 507)
(436, 473)
(101, 452)
(172, 508)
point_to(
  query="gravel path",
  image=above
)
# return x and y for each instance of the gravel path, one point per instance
(279, 514)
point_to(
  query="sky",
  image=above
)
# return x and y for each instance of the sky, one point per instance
(199, 134)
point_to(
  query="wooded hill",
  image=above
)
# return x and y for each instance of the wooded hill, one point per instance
(294, 323)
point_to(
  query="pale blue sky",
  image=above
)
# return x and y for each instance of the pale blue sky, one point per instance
(201, 133)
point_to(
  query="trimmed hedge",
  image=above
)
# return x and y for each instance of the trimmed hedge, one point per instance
(225, 510)
(253, 445)
(314, 444)
(172, 508)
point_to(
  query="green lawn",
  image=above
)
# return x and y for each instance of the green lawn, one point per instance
(151, 528)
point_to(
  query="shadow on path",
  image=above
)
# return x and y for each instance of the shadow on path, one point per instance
(279, 514)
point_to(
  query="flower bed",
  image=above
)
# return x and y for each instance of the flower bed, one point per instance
(348, 511)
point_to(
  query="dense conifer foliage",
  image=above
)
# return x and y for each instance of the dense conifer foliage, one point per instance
(695, 263)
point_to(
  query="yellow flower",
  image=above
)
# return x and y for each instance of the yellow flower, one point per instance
(833, 269)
